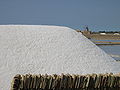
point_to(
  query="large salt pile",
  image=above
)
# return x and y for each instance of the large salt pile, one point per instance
(48, 49)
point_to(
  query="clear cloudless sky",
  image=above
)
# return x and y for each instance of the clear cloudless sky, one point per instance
(96, 14)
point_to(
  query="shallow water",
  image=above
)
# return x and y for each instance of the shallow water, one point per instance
(113, 50)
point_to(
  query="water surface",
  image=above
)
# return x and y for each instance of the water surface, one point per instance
(113, 50)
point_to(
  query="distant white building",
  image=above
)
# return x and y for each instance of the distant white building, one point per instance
(116, 34)
(102, 33)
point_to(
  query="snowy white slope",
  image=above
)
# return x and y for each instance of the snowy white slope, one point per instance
(48, 49)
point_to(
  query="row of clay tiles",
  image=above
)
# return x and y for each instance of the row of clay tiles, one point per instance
(28, 81)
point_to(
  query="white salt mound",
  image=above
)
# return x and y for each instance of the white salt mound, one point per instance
(48, 49)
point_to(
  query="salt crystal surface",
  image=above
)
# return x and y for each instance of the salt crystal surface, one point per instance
(48, 49)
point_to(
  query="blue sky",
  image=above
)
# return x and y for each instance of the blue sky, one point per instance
(96, 14)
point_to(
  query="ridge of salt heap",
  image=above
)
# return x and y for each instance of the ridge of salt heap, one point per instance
(48, 49)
